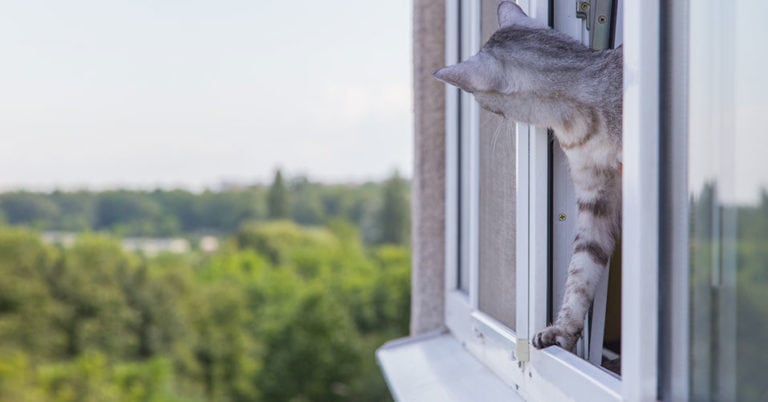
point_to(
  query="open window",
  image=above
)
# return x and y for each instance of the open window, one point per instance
(597, 24)
(695, 196)
(507, 235)
(509, 198)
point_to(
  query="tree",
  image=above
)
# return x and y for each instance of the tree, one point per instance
(314, 354)
(280, 312)
(26, 308)
(307, 206)
(277, 198)
(393, 217)
(29, 208)
(93, 313)
(131, 212)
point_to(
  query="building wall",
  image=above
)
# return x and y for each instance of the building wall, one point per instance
(428, 192)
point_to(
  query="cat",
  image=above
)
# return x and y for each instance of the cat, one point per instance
(532, 74)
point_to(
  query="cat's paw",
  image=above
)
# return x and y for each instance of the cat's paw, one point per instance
(555, 336)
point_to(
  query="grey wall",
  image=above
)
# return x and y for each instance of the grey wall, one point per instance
(428, 208)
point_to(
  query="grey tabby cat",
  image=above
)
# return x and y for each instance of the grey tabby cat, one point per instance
(532, 74)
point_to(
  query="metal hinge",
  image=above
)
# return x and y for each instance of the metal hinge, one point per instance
(598, 15)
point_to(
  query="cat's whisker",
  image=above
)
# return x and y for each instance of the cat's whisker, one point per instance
(495, 139)
(505, 128)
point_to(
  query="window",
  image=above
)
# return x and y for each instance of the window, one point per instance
(725, 223)
(500, 291)
(601, 343)
(694, 310)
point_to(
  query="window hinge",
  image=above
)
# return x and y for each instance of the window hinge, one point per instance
(522, 350)
(598, 15)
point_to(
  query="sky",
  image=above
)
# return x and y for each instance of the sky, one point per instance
(171, 93)
(728, 100)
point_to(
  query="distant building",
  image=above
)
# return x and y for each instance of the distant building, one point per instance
(154, 246)
(208, 244)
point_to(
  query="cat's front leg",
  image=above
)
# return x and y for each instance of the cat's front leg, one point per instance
(554, 335)
(588, 263)
(594, 243)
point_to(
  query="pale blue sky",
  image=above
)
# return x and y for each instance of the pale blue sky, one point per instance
(140, 93)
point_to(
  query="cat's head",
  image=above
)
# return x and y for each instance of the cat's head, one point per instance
(487, 74)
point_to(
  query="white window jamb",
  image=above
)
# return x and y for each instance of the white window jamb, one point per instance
(458, 306)
(640, 233)
(471, 137)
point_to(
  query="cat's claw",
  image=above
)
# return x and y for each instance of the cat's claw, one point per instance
(555, 336)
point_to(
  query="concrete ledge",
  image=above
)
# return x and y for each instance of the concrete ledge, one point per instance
(435, 367)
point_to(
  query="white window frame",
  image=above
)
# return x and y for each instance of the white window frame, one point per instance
(554, 374)
(640, 231)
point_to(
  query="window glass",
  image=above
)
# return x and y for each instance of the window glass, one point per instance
(496, 246)
(728, 193)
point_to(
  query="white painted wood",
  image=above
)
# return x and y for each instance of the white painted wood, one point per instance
(578, 378)
(538, 277)
(457, 316)
(471, 132)
(522, 218)
(639, 360)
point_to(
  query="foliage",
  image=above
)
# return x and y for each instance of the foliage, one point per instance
(729, 306)
(277, 199)
(380, 210)
(281, 313)
(393, 214)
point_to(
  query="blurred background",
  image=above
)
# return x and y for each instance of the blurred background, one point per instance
(202, 201)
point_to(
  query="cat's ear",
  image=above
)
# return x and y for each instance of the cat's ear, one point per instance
(511, 14)
(480, 73)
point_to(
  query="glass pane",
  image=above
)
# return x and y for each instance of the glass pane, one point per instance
(496, 274)
(728, 184)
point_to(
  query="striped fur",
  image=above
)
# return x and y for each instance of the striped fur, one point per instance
(532, 74)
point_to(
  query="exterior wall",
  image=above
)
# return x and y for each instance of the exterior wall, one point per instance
(428, 192)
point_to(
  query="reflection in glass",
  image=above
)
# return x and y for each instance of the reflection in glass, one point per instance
(728, 192)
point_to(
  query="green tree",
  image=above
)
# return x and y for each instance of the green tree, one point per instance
(307, 205)
(94, 313)
(29, 208)
(132, 213)
(277, 199)
(18, 381)
(393, 217)
(280, 312)
(26, 308)
(313, 355)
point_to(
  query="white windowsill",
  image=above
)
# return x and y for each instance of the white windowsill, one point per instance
(435, 367)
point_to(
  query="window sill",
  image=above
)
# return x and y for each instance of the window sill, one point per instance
(435, 367)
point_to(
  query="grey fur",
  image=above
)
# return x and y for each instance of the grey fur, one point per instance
(532, 74)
